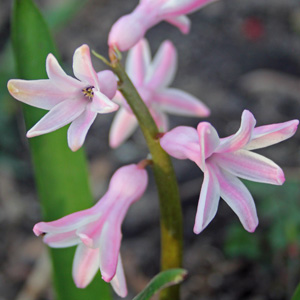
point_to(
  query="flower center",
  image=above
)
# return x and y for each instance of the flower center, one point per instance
(88, 92)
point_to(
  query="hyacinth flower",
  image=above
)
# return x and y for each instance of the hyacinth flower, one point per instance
(223, 160)
(131, 28)
(97, 230)
(70, 100)
(151, 79)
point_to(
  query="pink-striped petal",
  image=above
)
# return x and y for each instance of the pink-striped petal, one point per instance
(83, 68)
(163, 67)
(178, 7)
(119, 282)
(182, 142)
(183, 23)
(107, 83)
(178, 102)
(251, 166)
(79, 128)
(63, 82)
(101, 104)
(38, 93)
(208, 201)
(123, 126)
(61, 240)
(209, 142)
(237, 196)
(138, 61)
(242, 137)
(264, 136)
(59, 116)
(85, 265)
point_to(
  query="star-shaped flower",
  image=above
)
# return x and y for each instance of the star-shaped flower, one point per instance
(131, 28)
(70, 100)
(97, 231)
(152, 79)
(224, 160)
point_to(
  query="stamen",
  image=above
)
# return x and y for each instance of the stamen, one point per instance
(88, 92)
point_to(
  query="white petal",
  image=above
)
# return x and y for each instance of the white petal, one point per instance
(101, 104)
(119, 282)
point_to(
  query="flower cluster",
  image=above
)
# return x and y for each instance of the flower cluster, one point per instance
(97, 231)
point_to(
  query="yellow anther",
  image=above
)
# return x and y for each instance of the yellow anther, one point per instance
(88, 92)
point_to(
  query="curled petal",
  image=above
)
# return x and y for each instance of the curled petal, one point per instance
(163, 68)
(61, 240)
(237, 196)
(182, 142)
(124, 124)
(138, 61)
(62, 81)
(38, 93)
(208, 201)
(118, 282)
(85, 265)
(83, 68)
(209, 142)
(102, 104)
(107, 83)
(59, 116)
(182, 22)
(251, 166)
(176, 7)
(264, 136)
(180, 103)
(242, 137)
(79, 128)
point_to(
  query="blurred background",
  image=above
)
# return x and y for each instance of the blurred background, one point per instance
(240, 54)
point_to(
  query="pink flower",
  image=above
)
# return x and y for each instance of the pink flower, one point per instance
(151, 79)
(68, 99)
(131, 28)
(224, 160)
(97, 231)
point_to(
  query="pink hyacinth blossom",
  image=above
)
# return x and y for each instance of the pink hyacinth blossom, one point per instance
(70, 100)
(151, 79)
(223, 160)
(131, 28)
(97, 231)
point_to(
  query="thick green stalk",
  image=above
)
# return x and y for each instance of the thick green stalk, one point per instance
(61, 175)
(170, 208)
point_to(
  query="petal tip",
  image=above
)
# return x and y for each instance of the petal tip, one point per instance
(36, 230)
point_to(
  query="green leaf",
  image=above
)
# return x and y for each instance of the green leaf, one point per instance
(296, 295)
(61, 175)
(161, 281)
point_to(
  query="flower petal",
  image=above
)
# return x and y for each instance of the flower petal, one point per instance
(83, 68)
(182, 143)
(107, 83)
(138, 61)
(251, 166)
(123, 125)
(264, 136)
(237, 196)
(208, 201)
(178, 7)
(85, 265)
(242, 137)
(62, 81)
(61, 240)
(59, 116)
(102, 104)
(38, 93)
(79, 128)
(182, 22)
(118, 282)
(209, 142)
(178, 102)
(163, 67)
(160, 119)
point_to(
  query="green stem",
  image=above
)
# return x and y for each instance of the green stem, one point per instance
(170, 208)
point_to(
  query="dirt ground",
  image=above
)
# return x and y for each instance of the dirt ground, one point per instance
(240, 54)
